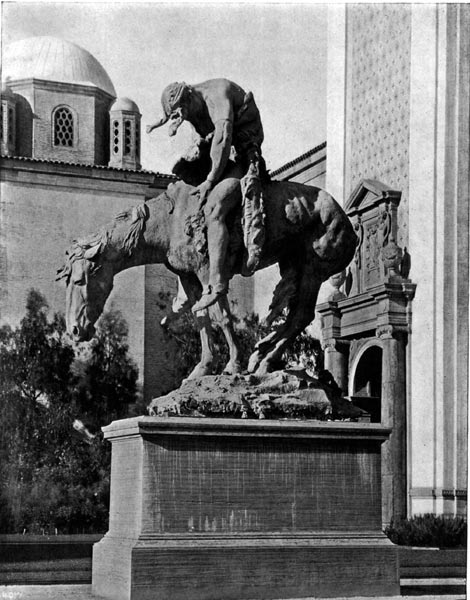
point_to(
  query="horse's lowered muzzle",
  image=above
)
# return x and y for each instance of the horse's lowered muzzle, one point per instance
(82, 334)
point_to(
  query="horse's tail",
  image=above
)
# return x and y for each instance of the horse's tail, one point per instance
(284, 292)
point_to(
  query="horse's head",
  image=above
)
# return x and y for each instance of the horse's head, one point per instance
(89, 281)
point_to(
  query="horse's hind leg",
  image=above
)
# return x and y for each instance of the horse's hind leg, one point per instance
(284, 296)
(223, 316)
(301, 313)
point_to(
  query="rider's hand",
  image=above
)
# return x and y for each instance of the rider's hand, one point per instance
(203, 191)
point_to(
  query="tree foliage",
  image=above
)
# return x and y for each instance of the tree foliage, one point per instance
(305, 351)
(51, 475)
(108, 381)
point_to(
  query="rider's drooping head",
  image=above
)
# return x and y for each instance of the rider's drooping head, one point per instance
(175, 105)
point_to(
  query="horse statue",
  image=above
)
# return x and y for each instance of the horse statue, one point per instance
(307, 234)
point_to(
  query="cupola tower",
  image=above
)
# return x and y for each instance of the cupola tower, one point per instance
(125, 134)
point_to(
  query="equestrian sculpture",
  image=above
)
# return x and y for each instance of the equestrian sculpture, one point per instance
(306, 233)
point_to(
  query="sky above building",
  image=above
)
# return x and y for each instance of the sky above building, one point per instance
(278, 51)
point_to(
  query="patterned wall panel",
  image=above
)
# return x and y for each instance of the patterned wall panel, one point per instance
(378, 79)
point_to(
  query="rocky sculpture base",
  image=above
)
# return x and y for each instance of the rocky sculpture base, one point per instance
(289, 394)
(226, 509)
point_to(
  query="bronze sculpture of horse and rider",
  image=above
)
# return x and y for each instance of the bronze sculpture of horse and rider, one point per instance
(299, 227)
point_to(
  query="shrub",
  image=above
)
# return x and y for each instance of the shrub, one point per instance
(429, 531)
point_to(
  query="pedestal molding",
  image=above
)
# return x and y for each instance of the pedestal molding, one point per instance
(195, 426)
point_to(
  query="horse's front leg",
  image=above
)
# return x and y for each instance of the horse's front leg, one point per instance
(206, 364)
(189, 290)
(223, 316)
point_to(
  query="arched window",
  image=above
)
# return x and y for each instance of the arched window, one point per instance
(127, 137)
(137, 141)
(367, 382)
(63, 127)
(11, 124)
(116, 137)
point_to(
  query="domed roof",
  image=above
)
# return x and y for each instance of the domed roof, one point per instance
(54, 60)
(125, 104)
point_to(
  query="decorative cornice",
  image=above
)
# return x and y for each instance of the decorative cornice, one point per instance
(59, 86)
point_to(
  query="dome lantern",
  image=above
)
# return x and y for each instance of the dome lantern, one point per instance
(124, 136)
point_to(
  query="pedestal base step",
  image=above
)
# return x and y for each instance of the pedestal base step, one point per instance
(244, 568)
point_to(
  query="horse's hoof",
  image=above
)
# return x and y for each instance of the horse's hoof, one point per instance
(232, 368)
(263, 369)
(200, 371)
(253, 363)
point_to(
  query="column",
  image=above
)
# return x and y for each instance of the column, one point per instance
(336, 361)
(394, 416)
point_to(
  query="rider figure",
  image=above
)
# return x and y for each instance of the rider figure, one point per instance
(220, 111)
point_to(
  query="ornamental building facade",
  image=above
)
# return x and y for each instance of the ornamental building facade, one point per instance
(398, 124)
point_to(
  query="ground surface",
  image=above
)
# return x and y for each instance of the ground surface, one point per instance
(83, 592)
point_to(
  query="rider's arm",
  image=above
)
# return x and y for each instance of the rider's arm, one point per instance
(219, 104)
(220, 148)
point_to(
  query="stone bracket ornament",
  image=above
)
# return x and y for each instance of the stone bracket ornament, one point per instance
(372, 209)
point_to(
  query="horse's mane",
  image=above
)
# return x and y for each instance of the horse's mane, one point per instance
(93, 245)
(138, 215)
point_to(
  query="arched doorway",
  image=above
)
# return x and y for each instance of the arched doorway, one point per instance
(366, 390)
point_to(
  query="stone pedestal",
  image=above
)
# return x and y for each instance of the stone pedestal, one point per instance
(232, 509)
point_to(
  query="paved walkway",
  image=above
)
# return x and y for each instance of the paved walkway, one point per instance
(83, 592)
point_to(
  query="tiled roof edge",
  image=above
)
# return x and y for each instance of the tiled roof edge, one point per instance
(299, 159)
(73, 164)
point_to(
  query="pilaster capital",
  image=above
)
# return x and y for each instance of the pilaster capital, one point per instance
(334, 344)
(389, 332)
